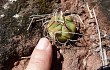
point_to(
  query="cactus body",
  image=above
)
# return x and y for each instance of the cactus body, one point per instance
(62, 28)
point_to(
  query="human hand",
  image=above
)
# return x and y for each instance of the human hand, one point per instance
(42, 56)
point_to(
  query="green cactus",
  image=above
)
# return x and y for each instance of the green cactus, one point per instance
(62, 28)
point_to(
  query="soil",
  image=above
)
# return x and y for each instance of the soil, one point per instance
(17, 42)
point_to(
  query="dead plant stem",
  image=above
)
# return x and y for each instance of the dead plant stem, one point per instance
(99, 34)
(89, 10)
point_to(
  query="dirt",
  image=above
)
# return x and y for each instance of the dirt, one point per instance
(17, 42)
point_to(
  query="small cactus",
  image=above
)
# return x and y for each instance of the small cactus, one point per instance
(61, 27)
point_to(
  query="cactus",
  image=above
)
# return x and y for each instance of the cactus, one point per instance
(61, 27)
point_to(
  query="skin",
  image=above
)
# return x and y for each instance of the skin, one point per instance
(41, 57)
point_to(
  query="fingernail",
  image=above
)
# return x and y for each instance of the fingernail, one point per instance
(42, 44)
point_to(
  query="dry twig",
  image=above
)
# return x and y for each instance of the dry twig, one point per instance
(102, 51)
(89, 10)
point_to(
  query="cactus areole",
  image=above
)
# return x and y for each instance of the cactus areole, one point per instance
(61, 28)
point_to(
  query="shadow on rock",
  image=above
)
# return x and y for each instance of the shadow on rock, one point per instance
(57, 59)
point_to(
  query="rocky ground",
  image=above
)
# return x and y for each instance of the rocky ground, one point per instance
(17, 42)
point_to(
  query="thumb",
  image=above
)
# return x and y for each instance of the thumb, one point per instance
(42, 56)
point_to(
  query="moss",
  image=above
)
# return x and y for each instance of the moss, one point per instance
(10, 26)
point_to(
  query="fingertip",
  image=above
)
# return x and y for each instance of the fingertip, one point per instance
(43, 44)
(42, 56)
